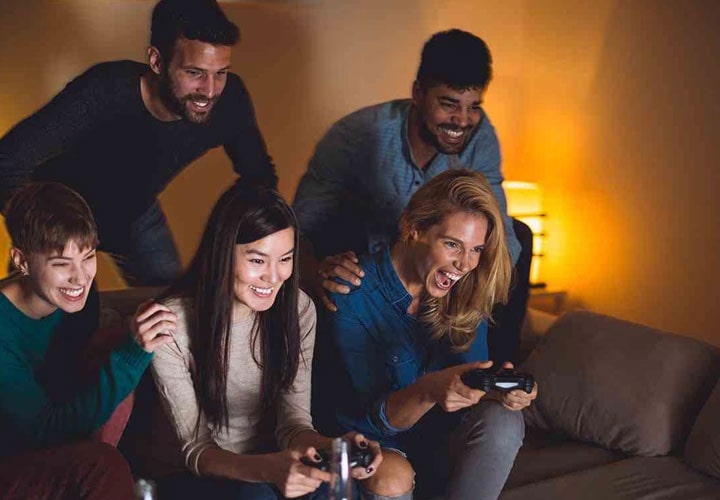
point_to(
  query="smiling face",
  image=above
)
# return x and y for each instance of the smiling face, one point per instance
(194, 79)
(447, 251)
(261, 268)
(59, 280)
(447, 117)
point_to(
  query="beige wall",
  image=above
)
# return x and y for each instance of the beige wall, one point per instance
(610, 105)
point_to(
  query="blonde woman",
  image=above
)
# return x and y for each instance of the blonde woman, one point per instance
(398, 345)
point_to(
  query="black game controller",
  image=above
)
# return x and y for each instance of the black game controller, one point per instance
(359, 457)
(503, 380)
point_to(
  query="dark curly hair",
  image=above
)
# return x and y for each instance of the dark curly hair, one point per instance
(457, 59)
(201, 20)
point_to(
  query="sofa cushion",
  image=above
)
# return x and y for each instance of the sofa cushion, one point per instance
(637, 478)
(702, 450)
(536, 464)
(621, 385)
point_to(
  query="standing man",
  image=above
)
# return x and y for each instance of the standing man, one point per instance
(121, 131)
(369, 164)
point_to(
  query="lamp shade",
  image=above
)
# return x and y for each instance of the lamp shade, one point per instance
(525, 203)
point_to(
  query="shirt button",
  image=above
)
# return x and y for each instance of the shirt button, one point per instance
(395, 358)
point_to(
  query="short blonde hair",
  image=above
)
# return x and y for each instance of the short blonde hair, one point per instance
(458, 314)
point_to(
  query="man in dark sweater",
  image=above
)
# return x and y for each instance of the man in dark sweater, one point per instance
(122, 130)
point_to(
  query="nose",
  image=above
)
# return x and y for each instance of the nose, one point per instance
(271, 274)
(462, 118)
(462, 263)
(208, 86)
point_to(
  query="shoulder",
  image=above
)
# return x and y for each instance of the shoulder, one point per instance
(359, 295)
(113, 73)
(306, 308)
(183, 309)
(377, 116)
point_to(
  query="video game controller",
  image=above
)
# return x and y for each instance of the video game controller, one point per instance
(503, 380)
(359, 457)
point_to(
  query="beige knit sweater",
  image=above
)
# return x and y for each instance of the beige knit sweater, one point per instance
(175, 447)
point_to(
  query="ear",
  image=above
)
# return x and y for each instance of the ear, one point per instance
(418, 93)
(155, 60)
(19, 261)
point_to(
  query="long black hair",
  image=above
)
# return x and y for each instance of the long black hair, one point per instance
(246, 212)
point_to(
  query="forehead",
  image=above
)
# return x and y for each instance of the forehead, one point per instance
(200, 54)
(467, 227)
(277, 243)
(73, 248)
(467, 96)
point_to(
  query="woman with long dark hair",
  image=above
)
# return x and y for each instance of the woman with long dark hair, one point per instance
(234, 383)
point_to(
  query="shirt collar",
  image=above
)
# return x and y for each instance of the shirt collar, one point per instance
(390, 281)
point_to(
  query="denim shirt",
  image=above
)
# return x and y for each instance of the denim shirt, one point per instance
(362, 175)
(378, 348)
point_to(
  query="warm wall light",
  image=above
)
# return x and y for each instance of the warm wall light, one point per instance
(525, 204)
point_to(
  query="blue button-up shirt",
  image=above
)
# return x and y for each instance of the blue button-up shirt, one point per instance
(362, 176)
(378, 348)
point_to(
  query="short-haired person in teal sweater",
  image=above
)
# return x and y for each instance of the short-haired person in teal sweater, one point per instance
(45, 450)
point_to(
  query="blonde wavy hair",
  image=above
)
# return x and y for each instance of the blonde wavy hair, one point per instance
(458, 314)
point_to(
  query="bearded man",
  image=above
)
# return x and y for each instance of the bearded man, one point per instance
(121, 131)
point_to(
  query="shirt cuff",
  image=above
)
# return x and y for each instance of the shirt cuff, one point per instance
(383, 423)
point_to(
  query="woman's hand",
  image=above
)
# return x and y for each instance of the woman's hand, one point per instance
(446, 389)
(153, 325)
(359, 440)
(518, 399)
(293, 478)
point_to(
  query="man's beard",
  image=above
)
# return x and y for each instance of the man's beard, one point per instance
(181, 106)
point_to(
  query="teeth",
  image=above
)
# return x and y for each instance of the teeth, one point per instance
(201, 104)
(261, 291)
(453, 133)
(73, 292)
(452, 276)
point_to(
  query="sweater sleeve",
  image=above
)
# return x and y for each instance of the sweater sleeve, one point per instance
(171, 371)
(294, 409)
(44, 422)
(48, 132)
(246, 146)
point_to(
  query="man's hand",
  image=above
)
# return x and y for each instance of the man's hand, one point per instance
(343, 266)
(446, 389)
(518, 399)
(153, 325)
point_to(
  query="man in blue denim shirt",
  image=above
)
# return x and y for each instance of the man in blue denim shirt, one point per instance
(388, 362)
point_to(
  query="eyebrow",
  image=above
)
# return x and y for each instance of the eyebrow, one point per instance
(190, 66)
(456, 101)
(262, 254)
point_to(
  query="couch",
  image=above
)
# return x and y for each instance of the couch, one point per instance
(624, 411)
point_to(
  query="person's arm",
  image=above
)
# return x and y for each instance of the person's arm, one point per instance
(486, 160)
(246, 146)
(44, 422)
(68, 117)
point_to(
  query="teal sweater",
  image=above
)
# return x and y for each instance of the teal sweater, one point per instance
(30, 417)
